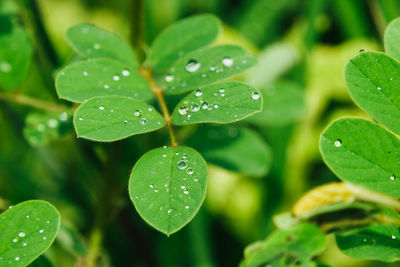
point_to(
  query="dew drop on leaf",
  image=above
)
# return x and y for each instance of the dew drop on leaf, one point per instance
(169, 78)
(182, 164)
(198, 92)
(255, 96)
(101, 108)
(116, 77)
(192, 65)
(143, 121)
(189, 171)
(183, 110)
(195, 108)
(392, 177)
(227, 61)
(137, 113)
(338, 143)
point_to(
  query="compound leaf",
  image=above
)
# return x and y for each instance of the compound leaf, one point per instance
(392, 39)
(363, 153)
(90, 41)
(26, 231)
(168, 186)
(110, 118)
(206, 66)
(373, 80)
(99, 77)
(219, 103)
(181, 38)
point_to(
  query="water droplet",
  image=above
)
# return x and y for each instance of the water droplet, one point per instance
(244, 61)
(164, 156)
(52, 123)
(186, 192)
(137, 113)
(392, 177)
(41, 231)
(27, 216)
(106, 86)
(10, 207)
(22, 234)
(196, 179)
(195, 108)
(222, 90)
(169, 78)
(24, 244)
(204, 105)
(227, 61)
(125, 121)
(393, 237)
(85, 73)
(15, 240)
(212, 68)
(5, 66)
(198, 92)
(182, 164)
(379, 88)
(143, 121)
(151, 186)
(338, 143)
(391, 78)
(203, 75)
(16, 259)
(96, 46)
(189, 171)
(183, 110)
(101, 108)
(183, 187)
(192, 65)
(44, 238)
(116, 77)
(255, 96)
(187, 207)
(126, 73)
(155, 190)
(40, 127)
(216, 105)
(169, 211)
(364, 240)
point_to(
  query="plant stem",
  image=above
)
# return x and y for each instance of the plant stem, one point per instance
(31, 102)
(161, 101)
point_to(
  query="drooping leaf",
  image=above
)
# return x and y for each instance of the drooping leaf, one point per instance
(181, 38)
(292, 247)
(363, 153)
(392, 38)
(206, 66)
(90, 41)
(168, 186)
(234, 148)
(376, 242)
(15, 58)
(100, 77)
(219, 103)
(27, 230)
(373, 80)
(283, 103)
(110, 118)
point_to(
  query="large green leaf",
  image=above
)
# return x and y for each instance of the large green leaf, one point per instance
(376, 242)
(292, 247)
(90, 41)
(373, 80)
(363, 153)
(168, 186)
(238, 149)
(182, 37)
(283, 103)
(26, 231)
(110, 118)
(15, 58)
(99, 77)
(206, 66)
(219, 103)
(392, 39)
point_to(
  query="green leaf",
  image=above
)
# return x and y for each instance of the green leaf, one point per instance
(90, 41)
(376, 242)
(373, 80)
(206, 66)
(15, 58)
(26, 231)
(392, 39)
(168, 186)
(292, 247)
(219, 103)
(99, 77)
(283, 103)
(182, 37)
(238, 149)
(363, 153)
(111, 118)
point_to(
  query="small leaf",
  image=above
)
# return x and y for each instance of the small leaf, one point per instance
(110, 118)
(392, 39)
(376, 242)
(373, 80)
(168, 186)
(206, 66)
(15, 58)
(234, 148)
(90, 41)
(100, 77)
(283, 103)
(363, 153)
(219, 103)
(292, 247)
(181, 38)
(27, 230)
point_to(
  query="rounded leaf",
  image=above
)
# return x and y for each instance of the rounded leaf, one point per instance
(168, 186)
(392, 39)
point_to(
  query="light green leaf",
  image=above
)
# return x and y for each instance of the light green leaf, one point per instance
(90, 41)
(26, 231)
(373, 80)
(392, 39)
(168, 186)
(99, 77)
(376, 242)
(182, 37)
(111, 118)
(292, 247)
(15, 58)
(238, 149)
(283, 103)
(206, 66)
(219, 103)
(363, 153)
